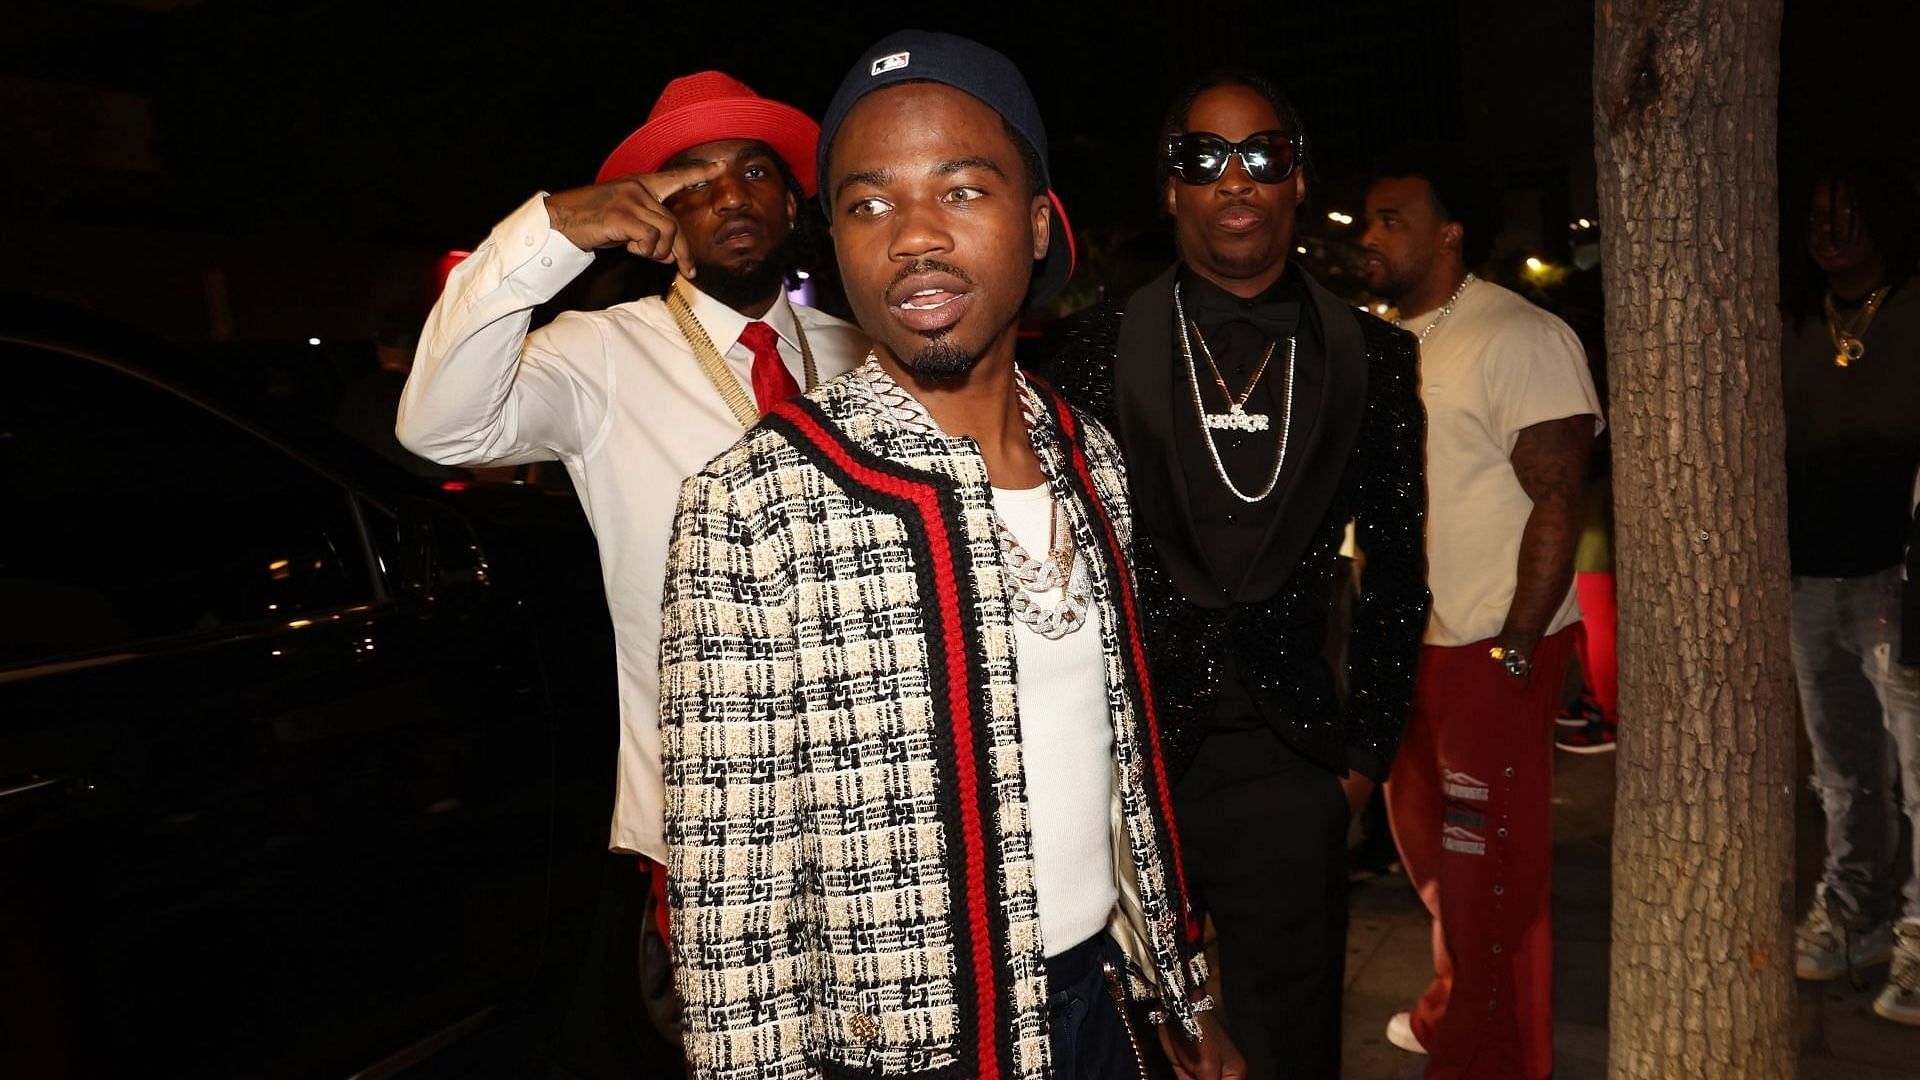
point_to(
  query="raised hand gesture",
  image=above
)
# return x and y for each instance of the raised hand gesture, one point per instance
(631, 211)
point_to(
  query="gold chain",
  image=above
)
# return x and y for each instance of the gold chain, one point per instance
(1847, 343)
(715, 366)
(1233, 403)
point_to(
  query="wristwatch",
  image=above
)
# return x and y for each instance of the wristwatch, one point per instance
(1513, 660)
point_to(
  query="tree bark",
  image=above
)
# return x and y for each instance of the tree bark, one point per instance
(1684, 115)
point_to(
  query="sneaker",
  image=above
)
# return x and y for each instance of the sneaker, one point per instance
(1900, 1001)
(1400, 1033)
(1597, 737)
(1826, 947)
(1580, 713)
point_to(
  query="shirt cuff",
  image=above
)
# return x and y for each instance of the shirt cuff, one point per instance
(538, 258)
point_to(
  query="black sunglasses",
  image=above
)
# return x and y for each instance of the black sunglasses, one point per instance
(1200, 157)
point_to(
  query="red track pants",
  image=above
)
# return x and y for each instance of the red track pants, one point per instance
(1470, 798)
(1599, 666)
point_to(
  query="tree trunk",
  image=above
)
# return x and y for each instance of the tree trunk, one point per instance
(1684, 100)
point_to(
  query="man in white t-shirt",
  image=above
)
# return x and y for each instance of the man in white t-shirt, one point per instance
(1511, 416)
(635, 398)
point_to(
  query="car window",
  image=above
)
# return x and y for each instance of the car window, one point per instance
(132, 513)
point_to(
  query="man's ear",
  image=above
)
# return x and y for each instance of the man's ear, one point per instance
(1299, 188)
(793, 210)
(1451, 234)
(1042, 211)
(1171, 211)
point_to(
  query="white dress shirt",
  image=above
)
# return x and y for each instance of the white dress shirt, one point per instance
(618, 397)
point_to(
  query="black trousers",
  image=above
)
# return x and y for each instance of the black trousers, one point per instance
(606, 1034)
(1086, 1032)
(1264, 835)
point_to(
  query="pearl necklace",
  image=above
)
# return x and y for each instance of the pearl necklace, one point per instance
(1446, 309)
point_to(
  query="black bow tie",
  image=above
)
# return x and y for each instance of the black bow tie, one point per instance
(1273, 313)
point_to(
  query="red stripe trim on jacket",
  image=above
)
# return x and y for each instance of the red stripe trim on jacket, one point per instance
(925, 498)
(1136, 647)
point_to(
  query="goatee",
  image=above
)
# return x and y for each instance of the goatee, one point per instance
(745, 285)
(941, 359)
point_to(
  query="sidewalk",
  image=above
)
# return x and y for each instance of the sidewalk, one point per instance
(1388, 962)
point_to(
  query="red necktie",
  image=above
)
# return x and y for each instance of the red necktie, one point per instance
(772, 384)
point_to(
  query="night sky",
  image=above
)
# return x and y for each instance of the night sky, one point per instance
(420, 123)
(416, 125)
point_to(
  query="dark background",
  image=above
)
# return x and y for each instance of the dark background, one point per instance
(279, 169)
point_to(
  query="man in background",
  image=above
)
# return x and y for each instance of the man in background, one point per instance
(635, 398)
(1511, 417)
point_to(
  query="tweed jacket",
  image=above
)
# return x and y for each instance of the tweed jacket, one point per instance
(1361, 460)
(850, 866)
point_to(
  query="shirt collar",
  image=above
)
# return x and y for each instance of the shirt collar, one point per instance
(1204, 295)
(1276, 312)
(723, 324)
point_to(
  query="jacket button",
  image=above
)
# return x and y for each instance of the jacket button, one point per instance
(865, 1028)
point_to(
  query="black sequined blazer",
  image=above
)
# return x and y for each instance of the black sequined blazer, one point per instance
(1362, 459)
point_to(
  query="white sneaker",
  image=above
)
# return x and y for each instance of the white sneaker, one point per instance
(1400, 1033)
(1826, 947)
(1900, 1001)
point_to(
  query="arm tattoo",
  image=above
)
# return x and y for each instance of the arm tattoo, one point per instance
(589, 209)
(1550, 461)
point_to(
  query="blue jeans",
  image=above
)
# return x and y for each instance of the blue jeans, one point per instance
(1862, 709)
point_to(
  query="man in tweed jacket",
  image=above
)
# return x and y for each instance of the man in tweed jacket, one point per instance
(858, 837)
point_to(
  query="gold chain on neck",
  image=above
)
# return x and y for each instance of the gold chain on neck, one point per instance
(714, 365)
(1847, 343)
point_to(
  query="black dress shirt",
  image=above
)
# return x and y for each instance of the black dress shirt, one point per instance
(1220, 661)
(1232, 533)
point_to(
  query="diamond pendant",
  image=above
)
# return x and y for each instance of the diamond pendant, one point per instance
(1237, 419)
(1851, 349)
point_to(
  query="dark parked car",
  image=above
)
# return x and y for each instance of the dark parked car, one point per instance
(304, 761)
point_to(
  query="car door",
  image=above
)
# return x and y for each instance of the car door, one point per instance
(264, 808)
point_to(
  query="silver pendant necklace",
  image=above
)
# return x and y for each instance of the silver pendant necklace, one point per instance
(1027, 576)
(1206, 424)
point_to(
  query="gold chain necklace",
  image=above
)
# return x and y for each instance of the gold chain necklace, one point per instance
(1206, 432)
(715, 366)
(1236, 406)
(1847, 343)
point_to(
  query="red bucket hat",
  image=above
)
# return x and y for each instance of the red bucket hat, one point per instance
(709, 106)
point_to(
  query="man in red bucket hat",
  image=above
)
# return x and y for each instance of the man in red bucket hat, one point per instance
(635, 398)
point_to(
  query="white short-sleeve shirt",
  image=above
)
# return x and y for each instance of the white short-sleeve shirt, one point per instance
(1496, 366)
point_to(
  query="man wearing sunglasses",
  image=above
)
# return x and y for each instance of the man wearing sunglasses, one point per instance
(1259, 415)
